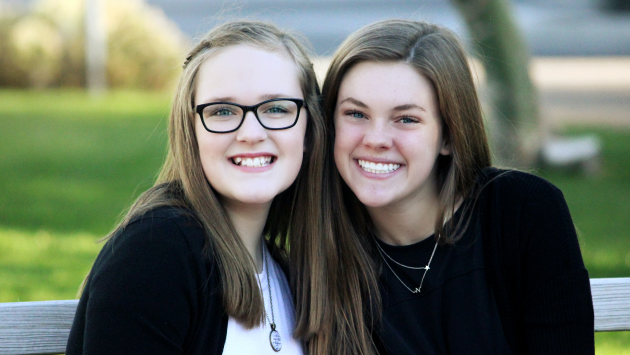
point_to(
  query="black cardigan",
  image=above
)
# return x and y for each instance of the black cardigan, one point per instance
(152, 291)
(534, 265)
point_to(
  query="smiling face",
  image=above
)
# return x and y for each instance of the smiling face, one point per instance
(251, 165)
(388, 135)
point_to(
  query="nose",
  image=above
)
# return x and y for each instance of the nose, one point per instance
(377, 135)
(251, 131)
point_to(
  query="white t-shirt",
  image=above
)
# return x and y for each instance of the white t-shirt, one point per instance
(240, 341)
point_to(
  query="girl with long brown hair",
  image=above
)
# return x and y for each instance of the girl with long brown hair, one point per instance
(449, 255)
(198, 265)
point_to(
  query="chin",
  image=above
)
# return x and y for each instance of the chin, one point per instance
(256, 197)
(372, 200)
(255, 200)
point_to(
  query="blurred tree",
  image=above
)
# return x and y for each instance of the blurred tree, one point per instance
(616, 5)
(11, 74)
(95, 47)
(514, 122)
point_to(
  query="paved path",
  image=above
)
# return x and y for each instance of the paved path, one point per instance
(584, 91)
(552, 27)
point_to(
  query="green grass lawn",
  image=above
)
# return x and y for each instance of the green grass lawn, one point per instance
(70, 164)
(600, 206)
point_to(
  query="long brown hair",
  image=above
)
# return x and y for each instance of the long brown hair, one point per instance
(296, 212)
(436, 53)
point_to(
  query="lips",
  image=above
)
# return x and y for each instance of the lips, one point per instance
(377, 168)
(253, 161)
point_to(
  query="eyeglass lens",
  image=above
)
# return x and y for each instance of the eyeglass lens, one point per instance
(274, 114)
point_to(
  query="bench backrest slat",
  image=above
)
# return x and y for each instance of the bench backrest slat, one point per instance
(35, 327)
(611, 301)
(43, 327)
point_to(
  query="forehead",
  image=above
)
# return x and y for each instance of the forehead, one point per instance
(245, 73)
(386, 83)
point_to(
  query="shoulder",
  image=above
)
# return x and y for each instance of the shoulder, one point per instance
(521, 202)
(164, 237)
(520, 206)
(151, 288)
(155, 256)
(163, 226)
(517, 186)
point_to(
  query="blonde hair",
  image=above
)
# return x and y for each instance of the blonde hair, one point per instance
(182, 182)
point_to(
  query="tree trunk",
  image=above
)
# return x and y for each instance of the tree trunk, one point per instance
(95, 47)
(514, 123)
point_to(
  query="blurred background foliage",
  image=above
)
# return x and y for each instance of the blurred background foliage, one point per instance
(44, 47)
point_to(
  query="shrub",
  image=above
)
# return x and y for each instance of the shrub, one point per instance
(45, 47)
(10, 73)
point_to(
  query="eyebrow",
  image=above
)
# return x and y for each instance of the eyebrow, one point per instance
(397, 108)
(275, 96)
(408, 107)
(354, 101)
(261, 98)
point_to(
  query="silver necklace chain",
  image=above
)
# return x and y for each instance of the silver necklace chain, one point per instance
(272, 321)
(274, 336)
(425, 268)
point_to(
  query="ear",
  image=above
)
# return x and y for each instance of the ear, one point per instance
(446, 144)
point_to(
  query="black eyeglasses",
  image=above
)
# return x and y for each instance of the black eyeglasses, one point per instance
(226, 117)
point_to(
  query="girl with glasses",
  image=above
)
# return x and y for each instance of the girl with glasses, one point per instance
(455, 256)
(199, 263)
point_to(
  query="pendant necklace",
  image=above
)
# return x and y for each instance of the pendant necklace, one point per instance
(425, 268)
(274, 336)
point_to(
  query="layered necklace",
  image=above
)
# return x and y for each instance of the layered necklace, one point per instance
(425, 268)
(274, 336)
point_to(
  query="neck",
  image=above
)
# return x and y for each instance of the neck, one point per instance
(407, 222)
(249, 221)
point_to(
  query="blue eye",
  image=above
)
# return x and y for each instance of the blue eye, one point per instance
(408, 120)
(223, 112)
(276, 109)
(355, 114)
(220, 111)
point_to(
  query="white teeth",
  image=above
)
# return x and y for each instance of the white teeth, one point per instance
(378, 168)
(252, 162)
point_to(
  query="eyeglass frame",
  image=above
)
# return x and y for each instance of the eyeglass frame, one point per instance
(254, 108)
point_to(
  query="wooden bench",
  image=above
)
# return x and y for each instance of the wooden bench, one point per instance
(43, 327)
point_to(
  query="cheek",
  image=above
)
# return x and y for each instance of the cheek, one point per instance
(347, 135)
(204, 143)
(211, 152)
(297, 142)
(347, 138)
(420, 151)
(293, 144)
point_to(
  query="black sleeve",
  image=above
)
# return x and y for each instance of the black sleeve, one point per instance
(557, 308)
(141, 293)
